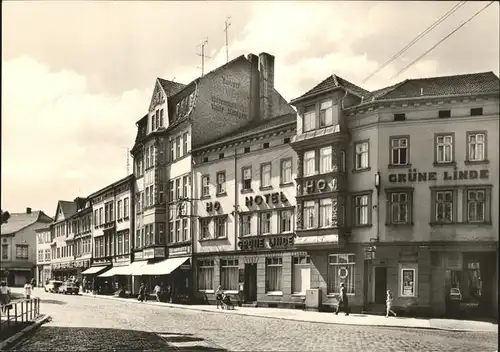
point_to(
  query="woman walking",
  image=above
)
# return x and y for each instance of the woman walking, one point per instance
(388, 303)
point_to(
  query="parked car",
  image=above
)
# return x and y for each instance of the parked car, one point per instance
(53, 286)
(68, 287)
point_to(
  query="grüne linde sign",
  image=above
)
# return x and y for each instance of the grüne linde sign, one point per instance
(414, 176)
(265, 242)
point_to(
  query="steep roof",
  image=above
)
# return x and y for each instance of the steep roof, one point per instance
(19, 221)
(470, 83)
(332, 82)
(170, 87)
(68, 208)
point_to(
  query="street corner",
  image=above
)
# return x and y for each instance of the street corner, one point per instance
(54, 338)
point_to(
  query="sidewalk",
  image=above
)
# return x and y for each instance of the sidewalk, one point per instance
(330, 318)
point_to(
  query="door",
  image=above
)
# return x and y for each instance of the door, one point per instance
(380, 284)
(250, 285)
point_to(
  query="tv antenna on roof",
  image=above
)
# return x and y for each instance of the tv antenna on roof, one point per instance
(203, 56)
(227, 25)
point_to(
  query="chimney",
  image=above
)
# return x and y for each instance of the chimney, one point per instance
(28, 210)
(266, 68)
(254, 108)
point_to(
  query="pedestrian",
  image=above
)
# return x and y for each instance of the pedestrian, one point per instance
(157, 292)
(343, 300)
(4, 296)
(142, 292)
(33, 283)
(218, 296)
(388, 303)
(168, 293)
(84, 285)
(27, 289)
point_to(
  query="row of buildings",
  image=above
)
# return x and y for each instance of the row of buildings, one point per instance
(234, 186)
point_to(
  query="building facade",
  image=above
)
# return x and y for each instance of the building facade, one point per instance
(244, 231)
(18, 251)
(43, 249)
(80, 224)
(385, 241)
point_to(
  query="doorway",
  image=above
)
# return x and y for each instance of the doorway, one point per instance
(380, 284)
(250, 286)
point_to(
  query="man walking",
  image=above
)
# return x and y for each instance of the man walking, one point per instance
(343, 301)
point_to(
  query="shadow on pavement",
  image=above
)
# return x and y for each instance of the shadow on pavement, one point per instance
(200, 348)
(52, 301)
(8, 331)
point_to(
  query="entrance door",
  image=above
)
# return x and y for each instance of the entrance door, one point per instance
(250, 288)
(380, 284)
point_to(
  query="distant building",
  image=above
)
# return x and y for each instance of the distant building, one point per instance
(398, 189)
(43, 249)
(80, 237)
(18, 255)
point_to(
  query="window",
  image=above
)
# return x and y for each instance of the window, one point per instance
(476, 205)
(171, 185)
(205, 186)
(399, 117)
(265, 175)
(286, 171)
(286, 140)
(185, 232)
(309, 163)
(126, 209)
(399, 207)
(161, 117)
(108, 212)
(309, 121)
(444, 114)
(301, 280)
(326, 114)
(101, 218)
(5, 251)
(204, 228)
(246, 150)
(341, 269)
(120, 243)
(477, 146)
(399, 150)
(179, 146)
(361, 210)
(266, 145)
(186, 143)
(205, 159)
(221, 182)
(476, 111)
(96, 218)
(286, 220)
(246, 224)
(444, 206)
(178, 230)
(172, 149)
(361, 155)
(205, 275)
(148, 155)
(325, 212)
(119, 210)
(229, 274)
(21, 251)
(408, 280)
(178, 190)
(265, 222)
(247, 178)
(309, 215)
(325, 160)
(274, 270)
(444, 148)
(185, 186)
(220, 227)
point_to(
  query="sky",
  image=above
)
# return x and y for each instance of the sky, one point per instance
(77, 75)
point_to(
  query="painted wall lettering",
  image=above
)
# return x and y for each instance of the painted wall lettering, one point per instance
(321, 185)
(266, 242)
(211, 206)
(269, 198)
(415, 176)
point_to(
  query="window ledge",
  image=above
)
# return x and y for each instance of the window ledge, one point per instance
(206, 291)
(246, 190)
(274, 293)
(362, 226)
(299, 294)
(205, 197)
(407, 224)
(447, 164)
(212, 239)
(287, 184)
(476, 162)
(223, 194)
(394, 166)
(357, 171)
(265, 188)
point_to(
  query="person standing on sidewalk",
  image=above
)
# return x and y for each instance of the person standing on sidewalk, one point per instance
(4, 296)
(388, 304)
(142, 292)
(27, 289)
(157, 292)
(343, 300)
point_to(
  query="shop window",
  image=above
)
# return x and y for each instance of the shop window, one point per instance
(408, 277)
(301, 280)
(274, 274)
(229, 274)
(341, 268)
(206, 275)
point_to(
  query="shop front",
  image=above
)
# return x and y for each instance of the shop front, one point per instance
(143, 259)
(63, 271)
(93, 281)
(16, 275)
(44, 274)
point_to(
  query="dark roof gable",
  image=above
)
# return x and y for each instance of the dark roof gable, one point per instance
(171, 88)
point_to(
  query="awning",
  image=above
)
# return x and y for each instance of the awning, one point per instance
(136, 267)
(164, 267)
(116, 270)
(317, 240)
(93, 270)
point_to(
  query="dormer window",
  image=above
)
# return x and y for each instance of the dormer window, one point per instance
(309, 122)
(326, 114)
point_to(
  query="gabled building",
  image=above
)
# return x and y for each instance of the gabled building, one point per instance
(18, 254)
(181, 118)
(80, 236)
(398, 189)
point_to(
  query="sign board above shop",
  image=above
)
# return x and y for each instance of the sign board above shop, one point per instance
(266, 242)
(456, 175)
(151, 253)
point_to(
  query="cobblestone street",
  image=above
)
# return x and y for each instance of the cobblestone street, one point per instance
(89, 323)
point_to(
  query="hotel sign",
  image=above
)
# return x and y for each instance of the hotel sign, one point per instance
(266, 242)
(414, 176)
(212, 206)
(269, 198)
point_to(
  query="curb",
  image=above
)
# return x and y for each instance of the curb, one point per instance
(17, 336)
(173, 306)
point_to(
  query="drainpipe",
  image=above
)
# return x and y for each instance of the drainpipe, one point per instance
(236, 206)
